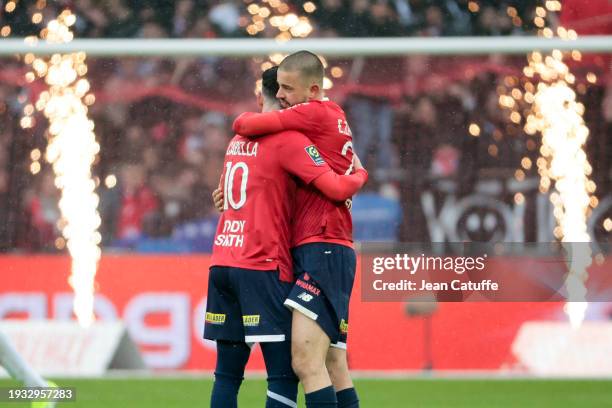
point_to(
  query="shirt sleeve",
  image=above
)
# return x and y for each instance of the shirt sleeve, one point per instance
(301, 158)
(339, 188)
(251, 124)
(300, 117)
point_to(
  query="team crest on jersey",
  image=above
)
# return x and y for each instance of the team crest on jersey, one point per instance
(315, 155)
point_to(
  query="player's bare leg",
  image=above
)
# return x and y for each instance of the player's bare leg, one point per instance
(337, 367)
(309, 345)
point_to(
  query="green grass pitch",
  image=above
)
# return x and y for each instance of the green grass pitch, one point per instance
(375, 393)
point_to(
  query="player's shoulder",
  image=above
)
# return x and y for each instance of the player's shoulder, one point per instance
(305, 106)
(238, 138)
(329, 104)
(326, 108)
(241, 146)
(286, 139)
(285, 135)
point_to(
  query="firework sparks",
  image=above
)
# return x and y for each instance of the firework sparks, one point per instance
(558, 117)
(71, 150)
(554, 113)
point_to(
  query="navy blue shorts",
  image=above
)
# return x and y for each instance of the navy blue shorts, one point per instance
(246, 305)
(325, 275)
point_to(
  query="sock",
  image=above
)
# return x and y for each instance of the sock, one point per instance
(325, 397)
(16, 365)
(347, 398)
(282, 381)
(281, 394)
(229, 373)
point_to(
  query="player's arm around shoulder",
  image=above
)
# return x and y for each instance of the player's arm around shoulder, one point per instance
(252, 124)
(304, 117)
(338, 187)
(300, 117)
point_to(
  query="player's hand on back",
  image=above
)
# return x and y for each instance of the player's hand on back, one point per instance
(357, 163)
(217, 196)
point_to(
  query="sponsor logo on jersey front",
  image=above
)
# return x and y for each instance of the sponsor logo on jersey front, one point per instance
(215, 318)
(250, 320)
(308, 287)
(232, 234)
(314, 154)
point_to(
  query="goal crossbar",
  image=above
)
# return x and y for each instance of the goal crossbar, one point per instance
(341, 47)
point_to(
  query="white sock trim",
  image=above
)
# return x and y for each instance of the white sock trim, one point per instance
(280, 398)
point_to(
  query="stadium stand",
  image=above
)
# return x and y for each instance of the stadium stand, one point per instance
(163, 124)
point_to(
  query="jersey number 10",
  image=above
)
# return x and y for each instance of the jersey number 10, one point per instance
(228, 186)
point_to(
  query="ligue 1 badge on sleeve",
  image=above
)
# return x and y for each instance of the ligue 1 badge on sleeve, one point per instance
(315, 155)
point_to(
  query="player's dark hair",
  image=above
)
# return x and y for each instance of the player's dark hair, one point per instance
(307, 64)
(269, 85)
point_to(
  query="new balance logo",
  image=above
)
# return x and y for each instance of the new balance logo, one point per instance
(305, 297)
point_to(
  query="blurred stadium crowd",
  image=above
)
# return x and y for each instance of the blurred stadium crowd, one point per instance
(163, 124)
(331, 18)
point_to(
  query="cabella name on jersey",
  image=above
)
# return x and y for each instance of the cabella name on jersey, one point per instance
(239, 148)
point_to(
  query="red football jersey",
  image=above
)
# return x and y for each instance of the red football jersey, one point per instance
(258, 185)
(317, 219)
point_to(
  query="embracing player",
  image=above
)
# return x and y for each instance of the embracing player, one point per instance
(251, 269)
(323, 254)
